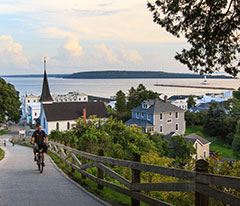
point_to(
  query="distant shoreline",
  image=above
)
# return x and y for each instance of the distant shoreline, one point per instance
(122, 75)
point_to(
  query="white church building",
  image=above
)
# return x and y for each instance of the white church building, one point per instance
(62, 115)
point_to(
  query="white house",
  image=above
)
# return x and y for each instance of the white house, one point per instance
(26, 101)
(71, 97)
(34, 110)
(62, 115)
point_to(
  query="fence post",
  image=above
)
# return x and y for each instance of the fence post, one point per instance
(200, 199)
(136, 178)
(73, 161)
(100, 172)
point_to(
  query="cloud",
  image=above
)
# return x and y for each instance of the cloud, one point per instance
(104, 54)
(11, 54)
(73, 47)
(131, 56)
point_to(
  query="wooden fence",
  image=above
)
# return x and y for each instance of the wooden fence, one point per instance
(198, 181)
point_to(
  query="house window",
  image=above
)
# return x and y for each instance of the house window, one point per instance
(68, 125)
(142, 114)
(137, 115)
(80, 99)
(34, 100)
(169, 121)
(161, 129)
(57, 126)
(44, 123)
(204, 154)
(85, 98)
(148, 116)
(35, 114)
(177, 127)
(170, 114)
(161, 116)
(176, 115)
(28, 101)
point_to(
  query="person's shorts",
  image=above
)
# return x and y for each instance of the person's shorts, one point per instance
(43, 147)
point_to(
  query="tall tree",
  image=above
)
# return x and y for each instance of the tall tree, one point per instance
(9, 103)
(236, 142)
(121, 105)
(182, 150)
(210, 27)
(191, 102)
(236, 94)
(138, 95)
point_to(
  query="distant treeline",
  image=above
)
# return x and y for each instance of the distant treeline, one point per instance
(135, 75)
(121, 75)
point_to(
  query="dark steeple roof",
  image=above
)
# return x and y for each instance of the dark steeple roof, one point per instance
(45, 96)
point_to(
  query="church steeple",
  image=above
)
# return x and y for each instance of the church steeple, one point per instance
(45, 96)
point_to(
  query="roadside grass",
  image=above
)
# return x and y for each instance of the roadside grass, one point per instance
(1, 154)
(108, 195)
(4, 131)
(217, 144)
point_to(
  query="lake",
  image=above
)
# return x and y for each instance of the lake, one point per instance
(109, 87)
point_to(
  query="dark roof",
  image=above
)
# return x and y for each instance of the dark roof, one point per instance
(168, 137)
(45, 96)
(73, 110)
(193, 137)
(139, 122)
(157, 106)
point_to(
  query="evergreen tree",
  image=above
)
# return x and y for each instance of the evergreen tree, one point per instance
(121, 105)
(236, 94)
(191, 102)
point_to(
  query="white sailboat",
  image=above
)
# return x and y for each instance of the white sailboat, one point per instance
(205, 81)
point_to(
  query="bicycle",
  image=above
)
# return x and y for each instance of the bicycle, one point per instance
(39, 159)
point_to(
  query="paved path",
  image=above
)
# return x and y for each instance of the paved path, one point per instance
(21, 184)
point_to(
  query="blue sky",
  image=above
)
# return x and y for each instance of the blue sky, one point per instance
(80, 35)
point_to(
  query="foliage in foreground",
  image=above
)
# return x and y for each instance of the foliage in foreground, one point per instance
(9, 103)
(210, 27)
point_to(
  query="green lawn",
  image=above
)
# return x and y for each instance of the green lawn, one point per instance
(4, 131)
(1, 154)
(217, 144)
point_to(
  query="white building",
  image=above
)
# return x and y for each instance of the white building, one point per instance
(34, 110)
(71, 97)
(62, 115)
(216, 97)
(26, 101)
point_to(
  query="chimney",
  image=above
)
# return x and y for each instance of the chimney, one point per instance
(166, 98)
(84, 115)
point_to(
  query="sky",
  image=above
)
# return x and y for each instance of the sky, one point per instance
(84, 35)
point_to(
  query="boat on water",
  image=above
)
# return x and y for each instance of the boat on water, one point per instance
(204, 82)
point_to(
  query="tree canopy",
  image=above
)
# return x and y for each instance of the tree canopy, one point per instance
(9, 103)
(210, 27)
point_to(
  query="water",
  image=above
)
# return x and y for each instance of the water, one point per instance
(109, 87)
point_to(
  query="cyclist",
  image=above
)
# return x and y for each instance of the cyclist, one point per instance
(39, 137)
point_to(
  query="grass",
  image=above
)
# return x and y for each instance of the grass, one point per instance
(4, 131)
(1, 154)
(217, 144)
(108, 195)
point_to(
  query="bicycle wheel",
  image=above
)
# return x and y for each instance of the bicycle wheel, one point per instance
(39, 161)
(41, 165)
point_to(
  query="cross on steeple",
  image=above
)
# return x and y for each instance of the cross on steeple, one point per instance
(45, 96)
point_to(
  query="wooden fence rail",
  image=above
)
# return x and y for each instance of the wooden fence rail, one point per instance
(199, 182)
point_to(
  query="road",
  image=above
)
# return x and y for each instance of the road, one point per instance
(22, 184)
